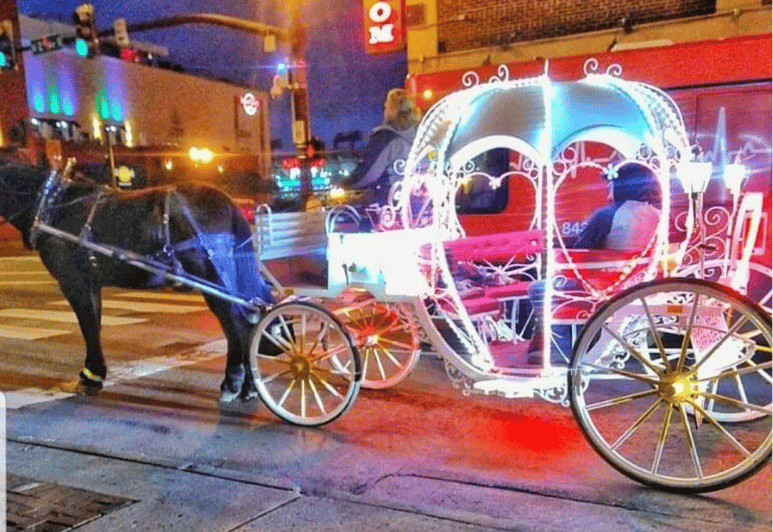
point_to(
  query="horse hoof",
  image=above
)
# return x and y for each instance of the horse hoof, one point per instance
(249, 395)
(88, 386)
(89, 389)
(227, 397)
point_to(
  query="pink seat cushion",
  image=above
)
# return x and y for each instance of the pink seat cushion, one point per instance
(509, 291)
(481, 306)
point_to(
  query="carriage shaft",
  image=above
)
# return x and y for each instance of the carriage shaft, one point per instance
(144, 263)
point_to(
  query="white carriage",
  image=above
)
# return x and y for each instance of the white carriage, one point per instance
(670, 374)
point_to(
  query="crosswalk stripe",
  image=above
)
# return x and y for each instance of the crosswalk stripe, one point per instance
(62, 316)
(193, 298)
(123, 372)
(22, 258)
(142, 306)
(25, 282)
(28, 333)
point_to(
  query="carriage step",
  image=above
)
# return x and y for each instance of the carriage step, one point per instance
(510, 388)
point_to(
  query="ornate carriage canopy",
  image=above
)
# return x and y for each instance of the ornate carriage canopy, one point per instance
(538, 118)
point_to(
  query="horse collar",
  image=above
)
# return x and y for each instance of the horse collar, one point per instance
(48, 194)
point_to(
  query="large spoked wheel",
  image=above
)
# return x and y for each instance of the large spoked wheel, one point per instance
(670, 382)
(386, 335)
(306, 368)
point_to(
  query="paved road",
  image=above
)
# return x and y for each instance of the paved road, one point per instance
(419, 456)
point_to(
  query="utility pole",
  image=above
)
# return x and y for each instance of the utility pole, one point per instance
(300, 102)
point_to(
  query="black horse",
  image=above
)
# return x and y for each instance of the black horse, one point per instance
(195, 231)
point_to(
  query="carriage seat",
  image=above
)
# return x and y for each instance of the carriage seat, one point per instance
(600, 268)
(514, 246)
(292, 247)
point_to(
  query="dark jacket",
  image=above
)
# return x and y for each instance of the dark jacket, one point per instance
(376, 171)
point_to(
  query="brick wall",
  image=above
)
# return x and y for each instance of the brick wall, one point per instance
(468, 24)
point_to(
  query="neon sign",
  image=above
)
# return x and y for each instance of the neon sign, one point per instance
(250, 104)
(383, 25)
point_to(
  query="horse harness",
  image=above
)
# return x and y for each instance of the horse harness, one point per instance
(49, 199)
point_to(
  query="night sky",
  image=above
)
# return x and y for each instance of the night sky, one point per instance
(346, 86)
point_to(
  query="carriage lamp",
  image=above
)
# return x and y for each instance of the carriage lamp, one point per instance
(734, 175)
(695, 176)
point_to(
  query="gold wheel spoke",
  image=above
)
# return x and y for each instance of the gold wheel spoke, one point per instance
(302, 343)
(728, 334)
(623, 373)
(738, 445)
(735, 402)
(396, 325)
(391, 357)
(662, 439)
(379, 364)
(632, 350)
(303, 397)
(638, 423)
(741, 389)
(290, 336)
(279, 359)
(327, 354)
(277, 341)
(275, 375)
(620, 400)
(287, 392)
(317, 398)
(655, 334)
(395, 343)
(328, 386)
(735, 372)
(688, 332)
(692, 448)
(365, 360)
(342, 372)
(319, 337)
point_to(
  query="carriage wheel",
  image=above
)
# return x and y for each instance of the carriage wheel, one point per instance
(670, 418)
(306, 368)
(387, 338)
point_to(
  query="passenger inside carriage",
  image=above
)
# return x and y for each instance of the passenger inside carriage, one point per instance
(627, 224)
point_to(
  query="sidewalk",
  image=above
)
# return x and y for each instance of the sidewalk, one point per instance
(83, 488)
(70, 488)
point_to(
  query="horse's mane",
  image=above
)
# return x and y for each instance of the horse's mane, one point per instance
(13, 156)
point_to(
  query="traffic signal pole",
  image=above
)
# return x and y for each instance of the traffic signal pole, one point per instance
(300, 102)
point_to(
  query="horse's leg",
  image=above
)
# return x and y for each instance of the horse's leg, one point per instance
(83, 292)
(238, 380)
(86, 301)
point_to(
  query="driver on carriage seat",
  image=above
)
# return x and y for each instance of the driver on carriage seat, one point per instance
(626, 225)
(389, 142)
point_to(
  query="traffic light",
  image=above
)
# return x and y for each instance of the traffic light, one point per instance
(7, 46)
(86, 42)
(121, 33)
(315, 149)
